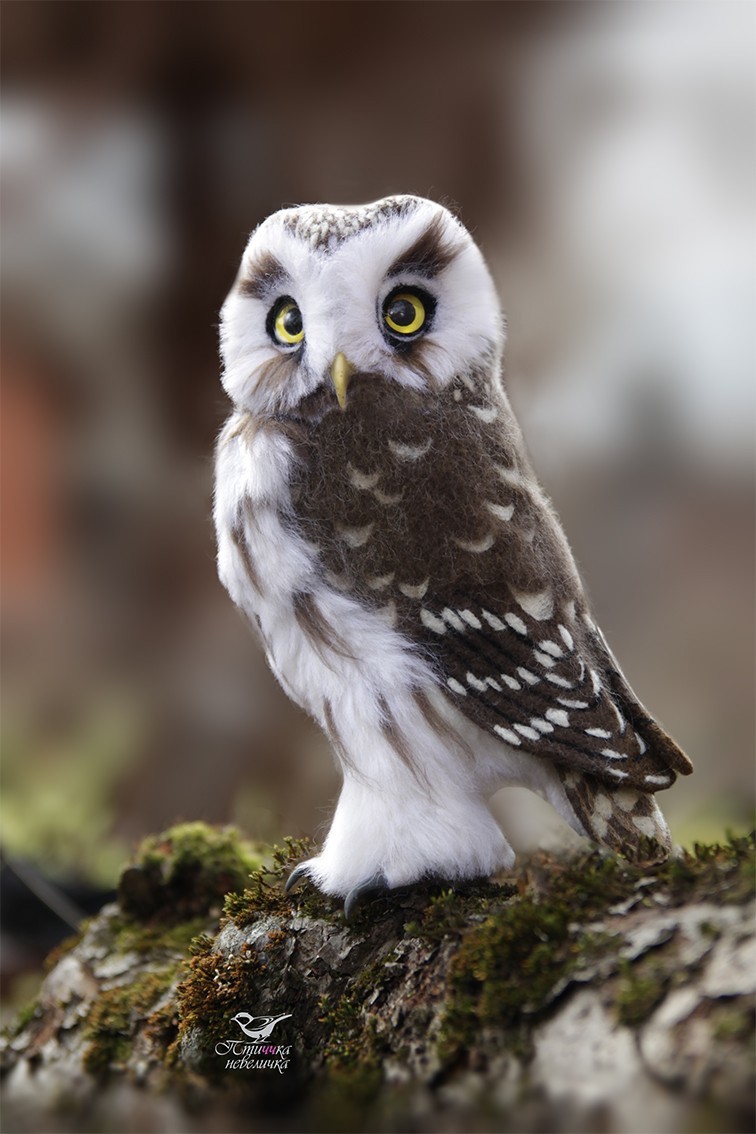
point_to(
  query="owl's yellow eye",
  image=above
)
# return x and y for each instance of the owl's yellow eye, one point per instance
(288, 327)
(405, 313)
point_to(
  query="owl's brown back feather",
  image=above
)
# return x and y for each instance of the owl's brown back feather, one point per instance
(426, 509)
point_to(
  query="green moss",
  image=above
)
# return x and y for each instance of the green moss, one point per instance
(171, 893)
(353, 1053)
(266, 894)
(24, 1017)
(717, 872)
(156, 938)
(733, 1023)
(185, 872)
(506, 970)
(348, 1043)
(454, 910)
(642, 988)
(115, 1017)
(509, 967)
(214, 989)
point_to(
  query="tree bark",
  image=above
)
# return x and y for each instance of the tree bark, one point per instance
(580, 994)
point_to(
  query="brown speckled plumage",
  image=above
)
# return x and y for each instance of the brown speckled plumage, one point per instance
(407, 499)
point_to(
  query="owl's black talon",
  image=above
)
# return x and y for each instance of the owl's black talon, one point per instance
(297, 874)
(355, 896)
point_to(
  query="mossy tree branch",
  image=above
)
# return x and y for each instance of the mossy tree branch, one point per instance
(571, 988)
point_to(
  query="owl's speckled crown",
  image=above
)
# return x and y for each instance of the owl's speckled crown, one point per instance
(325, 227)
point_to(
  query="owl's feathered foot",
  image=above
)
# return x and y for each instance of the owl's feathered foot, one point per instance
(355, 896)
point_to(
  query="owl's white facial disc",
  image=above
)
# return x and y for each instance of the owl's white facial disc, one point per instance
(318, 280)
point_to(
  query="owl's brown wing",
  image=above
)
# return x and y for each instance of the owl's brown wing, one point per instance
(542, 679)
(426, 509)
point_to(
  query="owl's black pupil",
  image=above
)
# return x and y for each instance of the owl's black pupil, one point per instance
(401, 312)
(292, 321)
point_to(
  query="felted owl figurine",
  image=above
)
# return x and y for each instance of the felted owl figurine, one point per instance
(379, 522)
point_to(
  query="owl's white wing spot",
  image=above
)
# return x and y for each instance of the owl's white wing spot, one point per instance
(626, 799)
(475, 683)
(516, 623)
(599, 825)
(526, 675)
(501, 511)
(487, 414)
(566, 637)
(555, 679)
(551, 648)
(568, 704)
(387, 497)
(620, 719)
(540, 724)
(544, 659)
(356, 537)
(470, 619)
(507, 734)
(510, 682)
(410, 452)
(601, 733)
(603, 805)
(362, 480)
(646, 825)
(510, 476)
(379, 582)
(558, 717)
(416, 591)
(431, 622)
(456, 686)
(452, 618)
(539, 605)
(476, 547)
(527, 731)
(494, 622)
(657, 779)
(611, 754)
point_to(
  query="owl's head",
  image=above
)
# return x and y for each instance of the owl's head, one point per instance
(396, 288)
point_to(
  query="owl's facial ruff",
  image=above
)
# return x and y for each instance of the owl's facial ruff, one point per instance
(353, 279)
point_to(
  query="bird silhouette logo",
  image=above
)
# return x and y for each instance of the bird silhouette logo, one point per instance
(257, 1027)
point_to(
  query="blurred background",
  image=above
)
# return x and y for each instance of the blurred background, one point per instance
(603, 156)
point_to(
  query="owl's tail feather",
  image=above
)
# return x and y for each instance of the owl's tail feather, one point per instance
(623, 819)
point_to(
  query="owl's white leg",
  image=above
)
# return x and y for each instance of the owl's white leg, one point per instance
(402, 832)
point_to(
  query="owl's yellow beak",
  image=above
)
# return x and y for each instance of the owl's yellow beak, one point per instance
(341, 371)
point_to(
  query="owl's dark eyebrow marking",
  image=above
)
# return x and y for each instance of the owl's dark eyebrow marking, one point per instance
(264, 273)
(429, 255)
